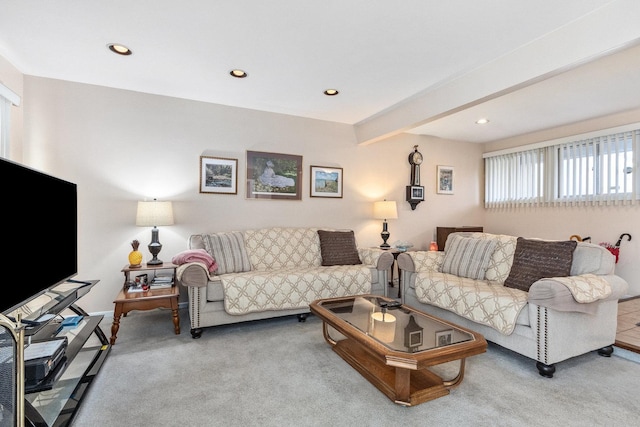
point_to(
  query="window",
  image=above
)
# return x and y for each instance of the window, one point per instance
(596, 170)
(7, 98)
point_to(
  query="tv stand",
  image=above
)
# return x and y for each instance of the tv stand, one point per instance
(55, 400)
(82, 282)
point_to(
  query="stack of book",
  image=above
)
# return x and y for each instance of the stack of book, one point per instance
(162, 281)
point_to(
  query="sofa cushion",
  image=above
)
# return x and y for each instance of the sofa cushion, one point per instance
(228, 250)
(467, 257)
(537, 259)
(338, 248)
(277, 248)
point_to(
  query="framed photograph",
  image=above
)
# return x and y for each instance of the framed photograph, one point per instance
(445, 180)
(218, 175)
(273, 176)
(326, 182)
(444, 338)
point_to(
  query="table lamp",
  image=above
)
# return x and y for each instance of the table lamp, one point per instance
(152, 214)
(385, 210)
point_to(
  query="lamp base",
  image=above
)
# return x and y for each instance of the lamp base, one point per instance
(154, 247)
(385, 236)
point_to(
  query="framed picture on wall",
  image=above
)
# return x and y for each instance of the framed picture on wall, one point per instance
(326, 182)
(445, 179)
(218, 175)
(273, 176)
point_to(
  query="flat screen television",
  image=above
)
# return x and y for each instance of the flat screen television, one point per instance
(40, 244)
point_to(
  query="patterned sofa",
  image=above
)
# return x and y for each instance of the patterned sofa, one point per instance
(547, 300)
(274, 272)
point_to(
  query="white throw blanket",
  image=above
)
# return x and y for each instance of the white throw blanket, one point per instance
(477, 300)
(256, 291)
(495, 305)
(586, 288)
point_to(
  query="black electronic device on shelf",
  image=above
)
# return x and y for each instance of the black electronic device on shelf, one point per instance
(42, 360)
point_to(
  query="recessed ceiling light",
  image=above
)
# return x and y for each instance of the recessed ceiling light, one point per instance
(482, 121)
(331, 92)
(119, 49)
(238, 73)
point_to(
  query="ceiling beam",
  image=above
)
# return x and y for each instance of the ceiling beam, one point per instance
(603, 32)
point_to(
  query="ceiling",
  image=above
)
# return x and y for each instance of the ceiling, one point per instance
(420, 66)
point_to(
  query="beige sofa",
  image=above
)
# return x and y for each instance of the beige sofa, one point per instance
(274, 272)
(556, 318)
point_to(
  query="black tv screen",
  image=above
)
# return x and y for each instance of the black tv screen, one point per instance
(40, 242)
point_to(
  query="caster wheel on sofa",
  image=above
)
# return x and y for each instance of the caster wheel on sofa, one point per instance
(606, 351)
(546, 371)
(196, 333)
(303, 317)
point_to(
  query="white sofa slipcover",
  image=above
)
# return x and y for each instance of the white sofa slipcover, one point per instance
(272, 272)
(558, 318)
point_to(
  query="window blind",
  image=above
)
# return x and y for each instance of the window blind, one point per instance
(599, 170)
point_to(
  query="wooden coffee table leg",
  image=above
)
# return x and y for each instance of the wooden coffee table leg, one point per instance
(403, 386)
(458, 379)
(325, 334)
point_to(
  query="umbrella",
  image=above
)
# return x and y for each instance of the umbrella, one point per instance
(615, 249)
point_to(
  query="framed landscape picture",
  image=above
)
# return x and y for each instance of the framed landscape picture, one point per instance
(273, 176)
(218, 175)
(326, 182)
(445, 179)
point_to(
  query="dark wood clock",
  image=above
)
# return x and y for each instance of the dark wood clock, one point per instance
(415, 192)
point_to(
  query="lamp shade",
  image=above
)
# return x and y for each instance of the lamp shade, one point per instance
(151, 214)
(385, 210)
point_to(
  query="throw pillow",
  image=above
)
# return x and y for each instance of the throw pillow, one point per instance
(467, 257)
(228, 250)
(537, 259)
(338, 248)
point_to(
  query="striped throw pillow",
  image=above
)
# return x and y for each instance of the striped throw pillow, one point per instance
(228, 250)
(467, 257)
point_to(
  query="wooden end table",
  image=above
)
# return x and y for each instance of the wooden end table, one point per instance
(129, 299)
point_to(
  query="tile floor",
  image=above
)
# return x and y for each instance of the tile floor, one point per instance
(628, 333)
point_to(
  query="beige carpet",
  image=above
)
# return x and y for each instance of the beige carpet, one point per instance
(282, 373)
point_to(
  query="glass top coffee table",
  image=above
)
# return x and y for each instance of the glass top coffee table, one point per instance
(393, 345)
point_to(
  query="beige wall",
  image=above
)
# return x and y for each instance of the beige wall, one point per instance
(122, 146)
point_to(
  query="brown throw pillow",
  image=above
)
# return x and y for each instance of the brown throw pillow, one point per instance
(338, 248)
(535, 259)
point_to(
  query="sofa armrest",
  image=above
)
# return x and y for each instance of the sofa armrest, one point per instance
(553, 294)
(417, 261)
(379, 258)
(192, 274)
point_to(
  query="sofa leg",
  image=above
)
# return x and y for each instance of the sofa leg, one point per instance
(606, 351)
(196, 333)
(303, 317)
(546, 370)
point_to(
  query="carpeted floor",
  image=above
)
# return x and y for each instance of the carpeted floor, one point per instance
(282, 373)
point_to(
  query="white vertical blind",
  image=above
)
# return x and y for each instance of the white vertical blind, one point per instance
(599, 170)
